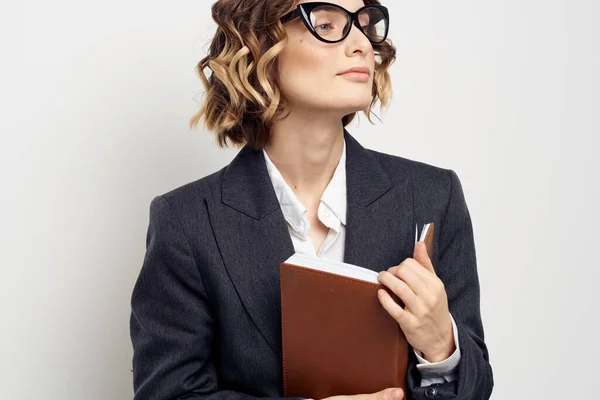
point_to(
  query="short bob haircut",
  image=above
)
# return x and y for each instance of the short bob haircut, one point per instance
(242, 97)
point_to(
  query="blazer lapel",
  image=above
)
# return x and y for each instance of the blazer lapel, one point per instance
(379, 228)
(254, 240)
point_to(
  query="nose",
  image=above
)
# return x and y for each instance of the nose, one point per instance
(357, 40)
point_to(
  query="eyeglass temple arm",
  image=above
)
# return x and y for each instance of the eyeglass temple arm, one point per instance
(291, 15)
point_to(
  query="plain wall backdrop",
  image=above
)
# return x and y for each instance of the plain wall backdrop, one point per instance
(96, 99)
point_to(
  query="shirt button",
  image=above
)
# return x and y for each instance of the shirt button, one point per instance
(430, 392)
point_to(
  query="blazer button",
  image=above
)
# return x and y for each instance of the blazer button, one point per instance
(430, 392)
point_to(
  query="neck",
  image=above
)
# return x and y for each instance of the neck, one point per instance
(306, 148)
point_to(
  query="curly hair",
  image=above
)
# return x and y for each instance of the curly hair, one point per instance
(242, 97)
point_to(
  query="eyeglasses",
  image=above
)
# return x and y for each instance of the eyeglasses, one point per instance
(331, 23)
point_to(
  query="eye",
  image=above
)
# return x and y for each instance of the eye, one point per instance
(324, 26)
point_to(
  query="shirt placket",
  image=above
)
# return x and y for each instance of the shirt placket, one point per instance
(328, 218)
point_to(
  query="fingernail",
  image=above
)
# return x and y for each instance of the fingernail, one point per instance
(397, 394)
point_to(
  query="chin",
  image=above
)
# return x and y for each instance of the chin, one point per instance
(355, 103)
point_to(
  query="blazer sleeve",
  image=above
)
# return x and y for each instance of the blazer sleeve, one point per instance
(458, 271)
(171, 323)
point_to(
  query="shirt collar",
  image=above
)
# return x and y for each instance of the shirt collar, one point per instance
(334, 195)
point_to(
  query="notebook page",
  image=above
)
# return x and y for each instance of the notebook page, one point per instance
(424, 232)
(336, 267)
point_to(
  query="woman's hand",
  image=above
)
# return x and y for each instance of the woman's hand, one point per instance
(425, 319)
(385, 394)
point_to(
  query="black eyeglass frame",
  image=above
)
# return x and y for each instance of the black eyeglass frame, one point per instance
(303, 10)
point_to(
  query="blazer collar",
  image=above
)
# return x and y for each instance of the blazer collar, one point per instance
(247, 186)
(253, 237)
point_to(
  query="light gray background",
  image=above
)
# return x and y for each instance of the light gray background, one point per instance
(96, 98)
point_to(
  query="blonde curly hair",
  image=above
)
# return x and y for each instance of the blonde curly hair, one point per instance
(242, 97)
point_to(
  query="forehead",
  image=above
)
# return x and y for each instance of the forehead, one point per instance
(350, 5)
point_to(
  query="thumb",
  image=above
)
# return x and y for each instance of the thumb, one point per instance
(391, 394)
(420, 254)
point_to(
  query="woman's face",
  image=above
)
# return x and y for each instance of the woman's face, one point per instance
(310, 70)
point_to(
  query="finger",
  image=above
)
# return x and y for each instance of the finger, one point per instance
(415, 276)
(390, 394)
(420, 254)
(393, 393)
(402, 290)
(398, 313)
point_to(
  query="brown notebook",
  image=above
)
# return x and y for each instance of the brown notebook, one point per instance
(337, 338)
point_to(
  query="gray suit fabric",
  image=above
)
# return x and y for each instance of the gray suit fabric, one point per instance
(205, 309)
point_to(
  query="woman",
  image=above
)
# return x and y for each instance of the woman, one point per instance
(206, 315)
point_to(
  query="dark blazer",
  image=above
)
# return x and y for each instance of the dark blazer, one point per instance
(205, 309)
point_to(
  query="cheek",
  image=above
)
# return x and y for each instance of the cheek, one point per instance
(305, 60)
(304, 69)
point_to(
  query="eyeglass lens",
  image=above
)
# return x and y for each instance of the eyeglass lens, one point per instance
(332, 23)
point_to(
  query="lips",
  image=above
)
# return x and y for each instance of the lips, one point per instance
(359, 69)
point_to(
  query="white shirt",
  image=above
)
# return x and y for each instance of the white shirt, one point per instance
(332, 213)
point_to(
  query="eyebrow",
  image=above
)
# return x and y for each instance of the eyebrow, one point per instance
(361, 5)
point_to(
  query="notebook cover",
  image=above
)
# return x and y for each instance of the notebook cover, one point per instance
(337, 338)
(429, 240)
